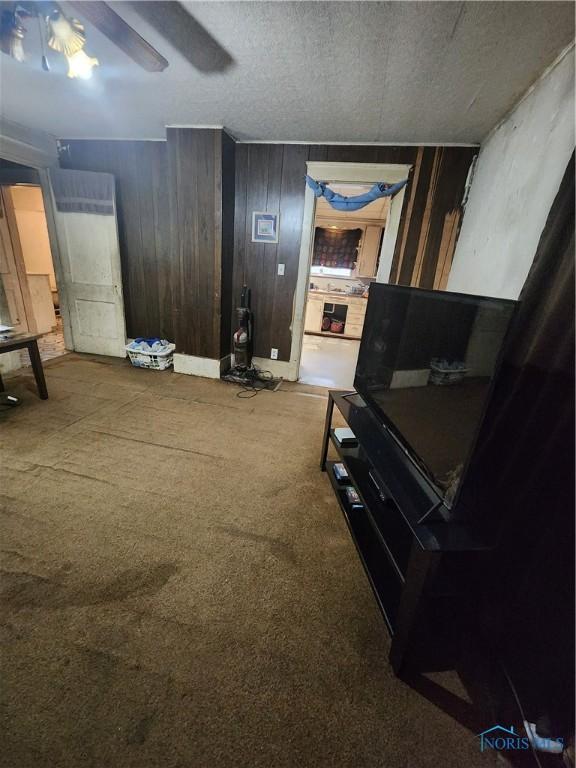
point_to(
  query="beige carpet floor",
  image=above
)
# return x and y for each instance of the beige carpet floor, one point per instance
(179, 589)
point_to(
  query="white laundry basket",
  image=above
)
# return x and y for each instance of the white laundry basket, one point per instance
(158, 361)
(443, 376)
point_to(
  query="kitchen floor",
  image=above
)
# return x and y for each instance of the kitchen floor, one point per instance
(328, 362)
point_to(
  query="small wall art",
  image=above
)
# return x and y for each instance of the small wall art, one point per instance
(265, 227)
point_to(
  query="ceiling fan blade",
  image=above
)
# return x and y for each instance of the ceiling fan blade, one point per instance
(107, 21)
(179, 28)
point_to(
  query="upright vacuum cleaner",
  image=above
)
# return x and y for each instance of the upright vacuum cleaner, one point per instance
(243, 371)
(243, 336)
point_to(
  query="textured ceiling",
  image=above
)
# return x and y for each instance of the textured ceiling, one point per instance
(310, 71)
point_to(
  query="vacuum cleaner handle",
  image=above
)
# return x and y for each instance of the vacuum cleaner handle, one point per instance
(245, 297)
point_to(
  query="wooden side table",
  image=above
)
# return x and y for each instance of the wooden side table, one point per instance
(29, 342)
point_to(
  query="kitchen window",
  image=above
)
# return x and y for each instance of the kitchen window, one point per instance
(335, 251)
(331, 271)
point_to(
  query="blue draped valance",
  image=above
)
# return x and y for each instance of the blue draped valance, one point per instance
(343, 203)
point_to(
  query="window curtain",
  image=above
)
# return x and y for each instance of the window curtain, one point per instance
(354, 203)
(336, 248)
(79, 192)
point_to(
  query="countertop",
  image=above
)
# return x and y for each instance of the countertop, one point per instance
(336, 294)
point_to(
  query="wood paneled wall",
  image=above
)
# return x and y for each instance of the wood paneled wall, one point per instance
(201, 166)
(228, 205)
(185, 225)
(175, 225)
(141, 172)
(270, 177)
(431, 221)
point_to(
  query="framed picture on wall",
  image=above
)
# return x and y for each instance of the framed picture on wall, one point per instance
(265, 227)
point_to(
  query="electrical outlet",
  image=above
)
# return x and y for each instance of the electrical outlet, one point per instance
(274, 354)
(280, 269)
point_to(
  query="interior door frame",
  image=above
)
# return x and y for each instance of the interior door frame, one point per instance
(365, 173)
(50, 211)
(40, 160)
(12, 227)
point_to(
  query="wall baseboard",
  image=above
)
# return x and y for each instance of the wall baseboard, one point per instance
(200, 366)
(278, 368)
(212, 369)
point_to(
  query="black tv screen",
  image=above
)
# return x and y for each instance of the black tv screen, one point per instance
(425, 366)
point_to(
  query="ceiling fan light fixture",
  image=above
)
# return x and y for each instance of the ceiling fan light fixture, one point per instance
(80, 65)
(66, 35)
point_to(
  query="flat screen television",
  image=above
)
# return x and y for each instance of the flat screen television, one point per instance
(425, 367)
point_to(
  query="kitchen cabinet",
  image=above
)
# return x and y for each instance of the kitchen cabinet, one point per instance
(356, 310)
(314, 313)
(355, 316)
(368, 257)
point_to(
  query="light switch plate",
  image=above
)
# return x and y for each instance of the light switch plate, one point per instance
(274, 353)
(280, 269)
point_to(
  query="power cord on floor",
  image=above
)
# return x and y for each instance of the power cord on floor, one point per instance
(251, 380)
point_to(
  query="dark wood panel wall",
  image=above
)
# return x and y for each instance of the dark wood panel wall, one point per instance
(228, 205)
(270, 177)
(200, 176)
(185, 225)
(176, 232)
(141, 171)
(432, 213)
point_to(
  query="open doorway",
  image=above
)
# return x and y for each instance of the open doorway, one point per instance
(341, 254)
(31, 297)
(345, 260)
(75, 211)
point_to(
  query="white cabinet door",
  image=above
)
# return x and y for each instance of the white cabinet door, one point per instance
(368, 260)
(92, 280)
(314, 312)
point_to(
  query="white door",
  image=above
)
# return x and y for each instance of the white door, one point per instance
(15, 307)
(91, 280)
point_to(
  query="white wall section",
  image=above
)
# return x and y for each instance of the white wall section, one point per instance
(517, 177)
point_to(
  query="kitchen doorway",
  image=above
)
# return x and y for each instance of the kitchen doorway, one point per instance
(345, 260)
(341, 254)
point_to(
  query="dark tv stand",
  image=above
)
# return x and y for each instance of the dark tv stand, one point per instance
(422, 569)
